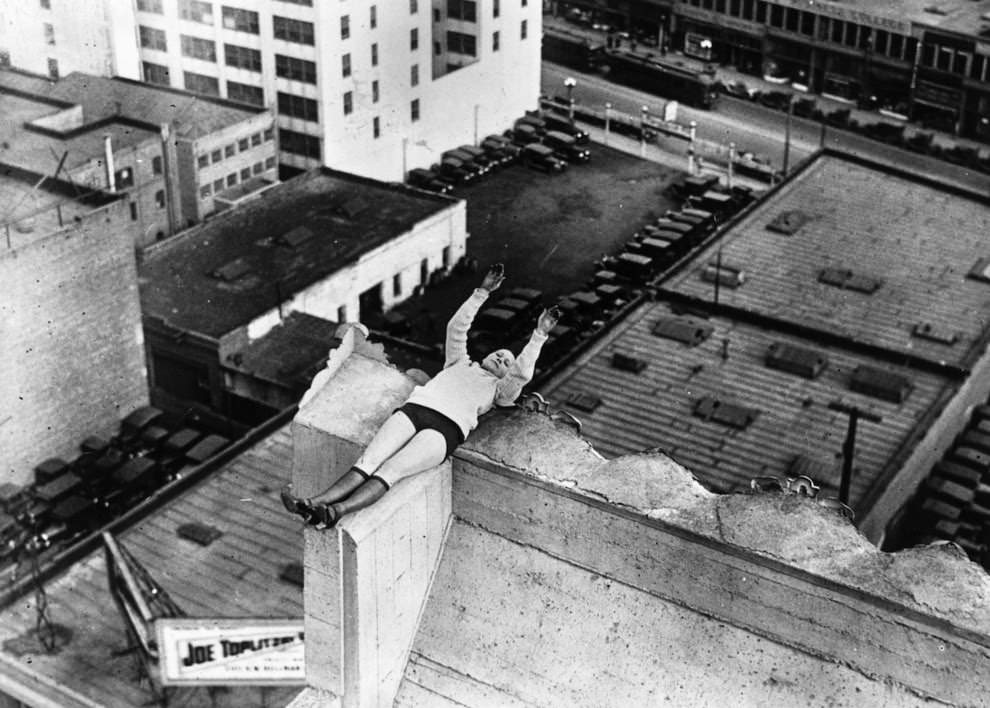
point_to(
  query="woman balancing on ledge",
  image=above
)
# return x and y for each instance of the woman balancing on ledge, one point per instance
(435, 419)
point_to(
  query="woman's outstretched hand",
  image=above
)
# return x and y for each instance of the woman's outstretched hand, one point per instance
(548, 320)
(493, 278)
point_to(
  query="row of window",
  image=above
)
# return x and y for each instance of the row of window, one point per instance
(221, 184)
(956, 61)
(242, 145)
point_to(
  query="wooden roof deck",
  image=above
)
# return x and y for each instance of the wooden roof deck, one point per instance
(236, 576)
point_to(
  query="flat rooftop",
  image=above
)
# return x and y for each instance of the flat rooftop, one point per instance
(222, 274)
(291, 353)
(655, 408)
(236, 576)
(895, 251)
(191, 115)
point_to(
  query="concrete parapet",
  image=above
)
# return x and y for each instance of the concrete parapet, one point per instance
(778, 565)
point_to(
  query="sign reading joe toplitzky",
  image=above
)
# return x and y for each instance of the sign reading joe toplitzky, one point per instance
(230, 651)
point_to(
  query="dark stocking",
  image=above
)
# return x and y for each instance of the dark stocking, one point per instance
(326, 515)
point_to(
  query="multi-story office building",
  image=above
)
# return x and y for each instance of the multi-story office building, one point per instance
(929, 61)
(57, 37)
(369, 87)
(174, 153)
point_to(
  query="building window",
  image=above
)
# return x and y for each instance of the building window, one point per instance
(231, 179)
(374, 54)
(47, 4)
(155, 73)
(53, 69)
(243, 144)
(437, 48)
(413, 7)
(397, 285)
(269, 162)
(437, 17)
(245, 173)
(245, 93)
(307, 3)
(460, 43)
(523, 29)
(196, 11)
(257, 168)
(298, 143)
(376, 126)
(124, 178)
(374, 91)
(414, 109)
(218, 185)
(160, 199)
(414, 39)
(414, 75)
(345, 26)
(196, 48)
(203, 161)
(156, 165)
(205, 191)
(4, 57)
(341, 314)
(242, 57)
(346, 65)
(496, 10)
(446, 256)
(216, 156)
(495, 41)
(465, 10)
(133, 206)
(297, 107)
(199, 83)
(295, 69)
(152, 38)
(374, 17)
(256, 140)
(269, 134)
(293, 30)
(234, 18)
(49, 32)
(348, 102)
(525, 2)
(142, 5)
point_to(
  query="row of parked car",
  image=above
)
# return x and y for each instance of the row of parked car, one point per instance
(544, 142)
(107, 478)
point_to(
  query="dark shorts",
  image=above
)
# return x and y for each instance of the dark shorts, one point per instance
(424, 418)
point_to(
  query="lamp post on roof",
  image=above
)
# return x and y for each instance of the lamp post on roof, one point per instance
(570, 83)
(608, 117)
(849, 445)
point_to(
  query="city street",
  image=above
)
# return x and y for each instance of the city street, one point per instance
(752, 127)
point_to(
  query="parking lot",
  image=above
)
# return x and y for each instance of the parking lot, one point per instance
(548, 230)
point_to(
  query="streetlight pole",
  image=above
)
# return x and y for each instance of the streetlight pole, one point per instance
(787, 134)
(608, 116)
(849, 445)
(644, 112)
(570, 83)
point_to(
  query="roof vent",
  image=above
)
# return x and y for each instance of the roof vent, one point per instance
(731, 414)
(980, 270)
(688, 330)
(796, 360)
(200, 533)
(885, 385)
(231, 271)
(926, 330)
(352, 207)
(584, 401)
(846, 279)
(296, 237)
(728, 276)
(935, 10)
(789, 222)
(624, 362)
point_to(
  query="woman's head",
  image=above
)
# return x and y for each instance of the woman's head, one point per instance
(498, 362)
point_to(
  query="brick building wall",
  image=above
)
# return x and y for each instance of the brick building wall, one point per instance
(71, 345)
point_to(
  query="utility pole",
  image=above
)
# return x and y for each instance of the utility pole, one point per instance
(787, 134)
(849, 445)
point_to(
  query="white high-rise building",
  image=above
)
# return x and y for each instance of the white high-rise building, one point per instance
(372, 87)
(57, 37)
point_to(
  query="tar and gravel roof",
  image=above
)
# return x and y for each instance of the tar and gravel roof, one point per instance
(291, 237)
(919, 239)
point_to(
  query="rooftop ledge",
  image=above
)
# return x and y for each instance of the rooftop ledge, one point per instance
(777, 565)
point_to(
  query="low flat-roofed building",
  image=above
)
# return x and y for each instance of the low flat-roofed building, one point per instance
(327, 244)
(171, 150)
(70, 336)
(851, 284)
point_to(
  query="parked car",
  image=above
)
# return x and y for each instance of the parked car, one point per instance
(523, 135)
(429, 180)
(566, 126)
(499, 144)
(540, 157)
(536, 122)
(467, 161)
(565, 147)
(453, 170)
(480, 156)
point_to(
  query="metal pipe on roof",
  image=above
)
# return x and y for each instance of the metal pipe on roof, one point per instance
(108, 162)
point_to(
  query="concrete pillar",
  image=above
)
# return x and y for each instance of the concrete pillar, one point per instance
(367, 579)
